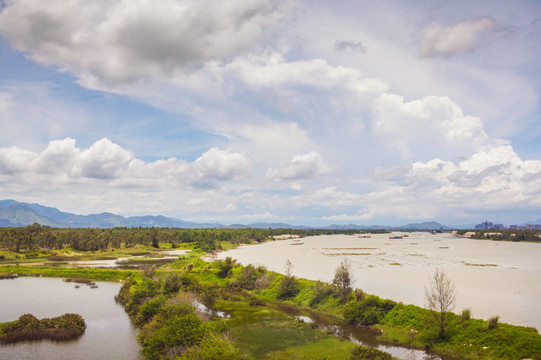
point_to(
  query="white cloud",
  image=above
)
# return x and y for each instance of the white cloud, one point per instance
(221, 165)
(491, 178)
(305, 166)
(104, 161)
(125, 40)
(462, 37)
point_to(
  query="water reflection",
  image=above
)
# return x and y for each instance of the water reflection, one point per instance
(109, 333)
(359, 334)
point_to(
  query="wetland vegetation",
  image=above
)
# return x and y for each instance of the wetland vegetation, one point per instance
(260, 314)
(28, 327)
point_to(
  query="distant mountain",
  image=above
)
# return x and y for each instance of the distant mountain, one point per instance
(14, 213)
(431, 225)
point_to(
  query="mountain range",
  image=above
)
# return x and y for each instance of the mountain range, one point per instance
(15, 213)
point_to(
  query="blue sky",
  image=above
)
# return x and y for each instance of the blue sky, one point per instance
(306, 112)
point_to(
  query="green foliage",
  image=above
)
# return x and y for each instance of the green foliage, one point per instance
(172, 283)
(225, 266)
(28, 327)
(212, 348)
(289, 288)
(364, 353)
(176, 326)
(321, 291)
(149, 309)
(465, 315)
(369, 311)
(248, 276)
(343, 280)
(493, 322)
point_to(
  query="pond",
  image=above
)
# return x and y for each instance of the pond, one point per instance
(109, 333)
(493, 278)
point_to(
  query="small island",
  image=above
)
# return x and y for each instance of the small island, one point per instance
(28, 327)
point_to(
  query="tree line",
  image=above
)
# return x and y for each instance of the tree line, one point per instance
(36, 236)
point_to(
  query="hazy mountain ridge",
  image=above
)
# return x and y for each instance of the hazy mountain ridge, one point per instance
(14, 213)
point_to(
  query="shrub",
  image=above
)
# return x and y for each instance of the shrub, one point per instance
(149, 309)
(364, 353)
(493, 322)
(172, 283)
(176, 325)
(288, 288)
(320, 290)
(371, 310)
(359, 294)
(225, 266)
(465, 315)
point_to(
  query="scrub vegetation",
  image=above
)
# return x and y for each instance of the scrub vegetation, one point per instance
(28, 327)
(193, 309)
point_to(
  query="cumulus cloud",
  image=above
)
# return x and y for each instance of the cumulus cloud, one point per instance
(491, 176)
(125, 40)
(462, 37)
(221, 164)
(305, 166)
(63, 161)
(415, 125)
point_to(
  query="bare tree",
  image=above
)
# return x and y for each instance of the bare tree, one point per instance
(440, 297)
(343, 279)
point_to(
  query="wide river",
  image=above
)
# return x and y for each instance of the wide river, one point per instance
(491, 278)
(109, 333)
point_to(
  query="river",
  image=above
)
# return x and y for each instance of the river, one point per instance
(491, 278)
(109, 333)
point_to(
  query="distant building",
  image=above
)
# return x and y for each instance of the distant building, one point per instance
(489, 225)
(484, 225)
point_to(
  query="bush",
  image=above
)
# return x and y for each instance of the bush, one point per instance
(176, 326)
(172, 283)
(288, 288)
(364, 353)
(493, 322)
(465, 315)
(371, 310)
(225, 266)
(149, 309)
(321, 290)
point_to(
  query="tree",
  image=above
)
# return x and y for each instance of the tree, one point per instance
(440, 297)
(343, 279)
(289, 286)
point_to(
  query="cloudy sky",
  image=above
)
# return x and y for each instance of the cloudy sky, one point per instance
(305, 112)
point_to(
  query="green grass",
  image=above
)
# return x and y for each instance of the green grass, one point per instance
(89, 273)
(263, 332)
(470, 339)
(326, 348)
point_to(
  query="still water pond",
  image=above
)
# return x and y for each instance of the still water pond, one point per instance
(109, 333)
(493, 278)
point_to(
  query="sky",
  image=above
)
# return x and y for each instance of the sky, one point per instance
(305, 112)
